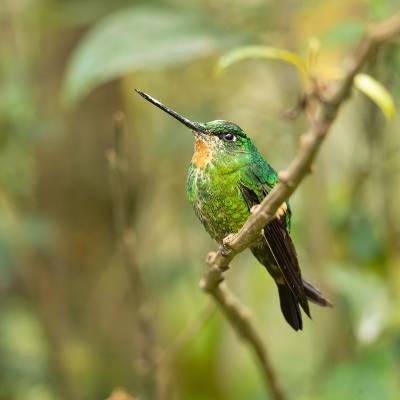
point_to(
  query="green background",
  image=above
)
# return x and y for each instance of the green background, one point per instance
(69, 319)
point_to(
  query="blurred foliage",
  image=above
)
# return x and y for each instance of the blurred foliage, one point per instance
(363, 82)
(271, 53)
(139, 38)
(68, 314)
(376, 92)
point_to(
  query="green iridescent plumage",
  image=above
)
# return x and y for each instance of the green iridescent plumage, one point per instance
(215, 190)
(226, 178)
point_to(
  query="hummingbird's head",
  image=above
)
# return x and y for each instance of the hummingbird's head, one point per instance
(221, 142)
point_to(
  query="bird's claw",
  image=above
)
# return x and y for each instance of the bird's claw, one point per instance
(226, 248)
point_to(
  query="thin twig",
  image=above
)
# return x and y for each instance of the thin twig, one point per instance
(125, 236)
(126, 239)
(239, 318)
(310, 142)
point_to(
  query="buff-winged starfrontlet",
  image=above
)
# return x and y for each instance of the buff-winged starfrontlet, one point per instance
(227, 176)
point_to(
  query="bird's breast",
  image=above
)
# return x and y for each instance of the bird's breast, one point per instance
(217, 200)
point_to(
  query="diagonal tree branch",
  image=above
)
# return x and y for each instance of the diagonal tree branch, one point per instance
(326, 101)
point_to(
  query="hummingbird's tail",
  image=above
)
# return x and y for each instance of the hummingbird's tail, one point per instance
(290, 307)
(314, 295)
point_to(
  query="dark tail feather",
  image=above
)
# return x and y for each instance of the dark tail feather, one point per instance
(313, 294)
(290, 307)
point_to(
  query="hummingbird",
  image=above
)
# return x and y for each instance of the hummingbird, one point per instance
(228, 176)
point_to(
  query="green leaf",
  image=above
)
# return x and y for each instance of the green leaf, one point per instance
(368, 375)
(367, 300)
(346, 32)
(138, 38)
(377, 93)
(271, 53)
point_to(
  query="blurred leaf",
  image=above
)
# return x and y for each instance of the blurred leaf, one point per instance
(376, 92)
(348, 31)
(138, 38)
(22, 344)
(364, 243)
(270, 53)
(370, 376)
(367, 299)
(380, 9)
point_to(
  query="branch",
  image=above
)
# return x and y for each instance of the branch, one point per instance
(118, 165)
(239, 317)
(144, 340)
(326, 104)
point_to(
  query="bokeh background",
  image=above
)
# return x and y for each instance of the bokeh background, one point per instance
(100, 253)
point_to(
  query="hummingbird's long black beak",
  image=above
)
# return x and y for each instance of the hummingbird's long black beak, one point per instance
(195, 126)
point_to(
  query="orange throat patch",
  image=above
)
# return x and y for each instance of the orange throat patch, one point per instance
(202, 154)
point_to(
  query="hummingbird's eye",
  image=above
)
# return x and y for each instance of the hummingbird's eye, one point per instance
(230, 137)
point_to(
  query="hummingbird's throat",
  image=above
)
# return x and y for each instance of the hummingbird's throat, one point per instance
(202, 152)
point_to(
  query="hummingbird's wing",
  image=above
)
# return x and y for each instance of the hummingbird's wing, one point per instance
(256, 183)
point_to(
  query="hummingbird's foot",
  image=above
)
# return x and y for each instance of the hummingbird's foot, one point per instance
(255, 208)
(225, 247)
(281, 211)
(227, 239)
